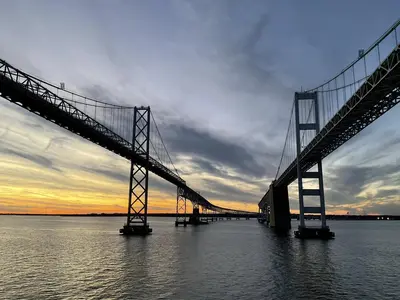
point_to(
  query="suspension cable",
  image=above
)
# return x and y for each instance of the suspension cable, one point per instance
(159, 134)
(286, 139)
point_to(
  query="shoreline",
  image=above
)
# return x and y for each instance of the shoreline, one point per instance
(253, 216)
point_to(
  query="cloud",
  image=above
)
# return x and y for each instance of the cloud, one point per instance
(215, 189)
(121, 174)
(353, 179)
(363, 189)
(219, 76)
(40, 160)
(111, 173)
(208, 149)
(386, 208)
(388, 193)
(100, 93)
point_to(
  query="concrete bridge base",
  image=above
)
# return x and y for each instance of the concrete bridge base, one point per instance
(276, 208)
(184, 223)
(136, 230)
(322, 233)
(195, 219)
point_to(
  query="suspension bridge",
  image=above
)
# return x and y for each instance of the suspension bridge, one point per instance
(324, 118)
(130, 132)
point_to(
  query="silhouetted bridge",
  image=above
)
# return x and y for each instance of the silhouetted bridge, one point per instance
(323, 119)
(130, 132)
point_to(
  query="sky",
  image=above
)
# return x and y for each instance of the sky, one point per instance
(220, 78)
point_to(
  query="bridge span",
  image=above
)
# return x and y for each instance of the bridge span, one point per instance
(324, 118)
(130, 132)
(321, 120)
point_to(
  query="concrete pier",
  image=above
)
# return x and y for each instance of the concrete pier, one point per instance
(136, 230)
(322, 233)
(194, 219)
(184, 223)
(275, 205)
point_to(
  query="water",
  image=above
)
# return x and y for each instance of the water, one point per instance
(86, 258)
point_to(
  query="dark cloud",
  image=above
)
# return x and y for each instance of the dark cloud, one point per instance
(335, 197)
(57, 141)
(217, 190)
(344, 188)
(182, 139)
(109, 173)
(389, 193)
(256, 34)
(122, 175)
(351, 180)
(201, 165)
(99, 93)
(159, 184)
(254, 61)
(391, 208)
(35, 158)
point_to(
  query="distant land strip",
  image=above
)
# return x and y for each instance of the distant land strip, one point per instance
(254, 215)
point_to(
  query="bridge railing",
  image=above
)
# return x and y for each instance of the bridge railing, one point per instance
(335, 93)
(99, 116)
(91, 112)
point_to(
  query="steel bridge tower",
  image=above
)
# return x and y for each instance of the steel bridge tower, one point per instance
(136, 223)
(303, 231)
(181, 215)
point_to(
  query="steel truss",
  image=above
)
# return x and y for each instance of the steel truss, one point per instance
(28, 92)
(316, 175)
(377, 95)
(181, 217)
(34, 95)
(139, 174)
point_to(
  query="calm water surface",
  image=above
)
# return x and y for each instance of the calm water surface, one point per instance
(86, 258)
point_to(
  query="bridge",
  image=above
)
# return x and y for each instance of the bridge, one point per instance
(324, 118)
(130, 132)
(321, 120)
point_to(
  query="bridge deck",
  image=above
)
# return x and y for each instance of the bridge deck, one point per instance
(19, 88)
(379, 93)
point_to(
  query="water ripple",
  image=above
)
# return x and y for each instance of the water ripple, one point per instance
(85, 258)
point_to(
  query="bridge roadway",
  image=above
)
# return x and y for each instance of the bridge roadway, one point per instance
(377, 94)
(27, 91)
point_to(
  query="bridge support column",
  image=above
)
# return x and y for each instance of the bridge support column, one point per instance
(204, 212)
(194, 219)
(180, 208)
(136, 223)
(302, 125)
(276, 209)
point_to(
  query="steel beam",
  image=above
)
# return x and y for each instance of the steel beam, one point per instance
(139, 175)
(302, 232)
(377, 95)
(181, 208)
(41, 98)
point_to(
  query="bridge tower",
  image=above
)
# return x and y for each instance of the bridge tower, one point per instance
(304, 231)
(136, 223)
(181, 217)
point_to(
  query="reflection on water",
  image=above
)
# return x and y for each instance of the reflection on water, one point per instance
(86, 258)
